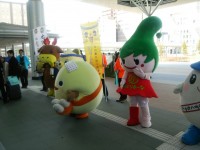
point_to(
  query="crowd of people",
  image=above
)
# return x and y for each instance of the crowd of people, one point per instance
(18, 66)
(13, 66)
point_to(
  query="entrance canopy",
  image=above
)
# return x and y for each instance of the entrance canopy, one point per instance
(11, 34)
(146, 6)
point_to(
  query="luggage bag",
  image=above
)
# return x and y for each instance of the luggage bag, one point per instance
(13, 88)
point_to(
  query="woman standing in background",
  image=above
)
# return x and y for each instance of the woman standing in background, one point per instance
(120, 72)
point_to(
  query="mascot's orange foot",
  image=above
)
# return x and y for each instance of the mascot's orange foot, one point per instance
(82, 116)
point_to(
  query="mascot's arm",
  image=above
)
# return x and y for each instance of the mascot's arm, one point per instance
(124, 79)
(178, 88)
(140, 73)
(148, 76)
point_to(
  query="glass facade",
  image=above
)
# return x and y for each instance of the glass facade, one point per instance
(16, 14)
(5, 12)
(13, 13)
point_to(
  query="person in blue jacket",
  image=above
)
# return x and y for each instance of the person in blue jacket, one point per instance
(24, 64)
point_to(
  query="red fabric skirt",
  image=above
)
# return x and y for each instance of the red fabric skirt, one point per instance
(136, 86)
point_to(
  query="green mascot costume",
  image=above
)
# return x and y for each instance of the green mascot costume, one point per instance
(139, 56)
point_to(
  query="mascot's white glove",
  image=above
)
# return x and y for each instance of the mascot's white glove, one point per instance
(58, 108)
(123, 81)
(55, 101)
(59, 105)
(140, 73)
(178, 89)
(64, 103)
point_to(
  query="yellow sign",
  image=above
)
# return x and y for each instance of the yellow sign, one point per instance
(91, 40)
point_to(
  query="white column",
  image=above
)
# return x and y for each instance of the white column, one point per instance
(35, 17)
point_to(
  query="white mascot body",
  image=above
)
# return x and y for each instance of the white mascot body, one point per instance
(190, 104)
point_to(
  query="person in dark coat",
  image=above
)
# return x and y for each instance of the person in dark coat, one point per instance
(13, 65)
(2, 81)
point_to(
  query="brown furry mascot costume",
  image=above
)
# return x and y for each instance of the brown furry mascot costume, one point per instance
(48, 55)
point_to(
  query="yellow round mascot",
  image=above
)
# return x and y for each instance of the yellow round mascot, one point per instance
(78, 89)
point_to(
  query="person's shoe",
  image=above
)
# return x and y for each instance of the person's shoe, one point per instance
(45, 90)
(121, 100)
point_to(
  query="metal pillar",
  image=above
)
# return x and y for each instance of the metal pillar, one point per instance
(5, 50)
(23, 46)
(13, 47)
(35, 17)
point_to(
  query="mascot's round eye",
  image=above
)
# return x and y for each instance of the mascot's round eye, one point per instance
(193, 78)
(60, 83)
(136, 61)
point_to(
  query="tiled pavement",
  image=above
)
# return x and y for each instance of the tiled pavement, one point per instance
(32, 124)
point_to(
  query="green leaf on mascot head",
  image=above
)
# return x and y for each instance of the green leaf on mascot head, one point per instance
(142, 41)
